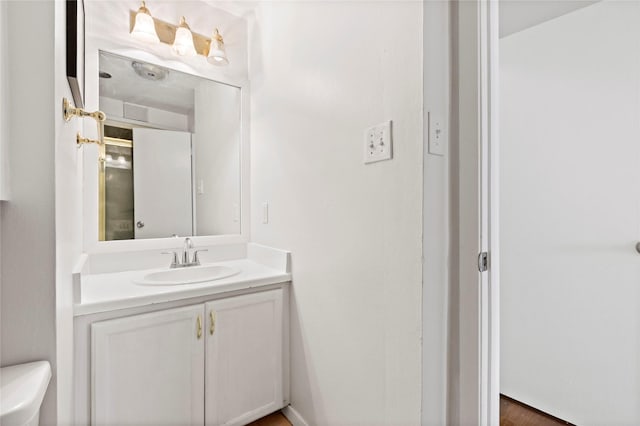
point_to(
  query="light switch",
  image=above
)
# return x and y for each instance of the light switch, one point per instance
(377, 143)
(437, 134)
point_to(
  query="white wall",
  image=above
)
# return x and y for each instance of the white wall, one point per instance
(40, 236)
(570, 190)
(68, 217)
(518, 15)
(28, 317)
(4, 88)
(322, 72)
(435, 294)
(4, 132)
(217, 159)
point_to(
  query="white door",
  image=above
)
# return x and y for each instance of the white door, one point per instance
(162, 183)
(243, 358)
(149, 369)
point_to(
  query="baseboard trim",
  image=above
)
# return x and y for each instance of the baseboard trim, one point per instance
(293, 416)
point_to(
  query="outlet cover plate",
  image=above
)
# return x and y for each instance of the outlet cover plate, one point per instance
(378, 143)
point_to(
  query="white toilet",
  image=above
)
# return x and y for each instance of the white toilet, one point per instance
(22, 388)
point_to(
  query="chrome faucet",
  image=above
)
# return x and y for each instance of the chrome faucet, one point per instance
(183, 261)
(188, 245)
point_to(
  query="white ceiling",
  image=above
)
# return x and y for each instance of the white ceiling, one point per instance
(240, 8)
(518, 15)
(174, 93)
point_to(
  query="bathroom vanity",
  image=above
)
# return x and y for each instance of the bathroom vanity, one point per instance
(156, 341)
(213, 352)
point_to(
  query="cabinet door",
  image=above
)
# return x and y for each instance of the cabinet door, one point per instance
(243, 358)
(149, 369)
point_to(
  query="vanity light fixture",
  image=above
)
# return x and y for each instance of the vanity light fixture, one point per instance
(144, 28)
(182, 40)
(183, 43)
(217, 54)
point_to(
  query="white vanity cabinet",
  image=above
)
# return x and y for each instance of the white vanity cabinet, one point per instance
(243, 358)
(214, 363)
(149, 369)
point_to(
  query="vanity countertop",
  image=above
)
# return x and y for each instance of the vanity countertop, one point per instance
(110, 291)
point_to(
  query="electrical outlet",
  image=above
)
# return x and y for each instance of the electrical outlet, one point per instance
(437, 134)
(265, 213)
(378, 143)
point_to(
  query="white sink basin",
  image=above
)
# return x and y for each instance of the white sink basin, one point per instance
(188, 275)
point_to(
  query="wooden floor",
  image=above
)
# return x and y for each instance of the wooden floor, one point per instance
(275, 419)
(514, 413)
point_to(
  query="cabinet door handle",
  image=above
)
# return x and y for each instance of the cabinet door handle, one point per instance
(199, 327)
(212, 322)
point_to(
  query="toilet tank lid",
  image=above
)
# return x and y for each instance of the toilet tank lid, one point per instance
(22, 388)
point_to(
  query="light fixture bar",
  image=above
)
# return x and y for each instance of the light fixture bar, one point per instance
(167, 33)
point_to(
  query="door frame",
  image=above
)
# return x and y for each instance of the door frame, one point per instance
(488, 37)
(475, 339)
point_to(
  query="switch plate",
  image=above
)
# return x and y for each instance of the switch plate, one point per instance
(437, 134)
(378, 143)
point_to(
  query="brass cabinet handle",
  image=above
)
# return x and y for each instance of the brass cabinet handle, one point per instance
(212, 324)
(199, 327)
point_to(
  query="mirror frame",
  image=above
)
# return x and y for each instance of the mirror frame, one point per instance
(90, 171)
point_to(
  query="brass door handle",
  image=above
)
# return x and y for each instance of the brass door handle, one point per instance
(199, 327)
(212, 323)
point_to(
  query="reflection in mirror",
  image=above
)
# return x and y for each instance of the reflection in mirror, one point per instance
(171, 159)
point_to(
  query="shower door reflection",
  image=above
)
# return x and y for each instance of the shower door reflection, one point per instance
(117, 197)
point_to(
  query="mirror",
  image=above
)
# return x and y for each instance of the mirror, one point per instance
(170, 164)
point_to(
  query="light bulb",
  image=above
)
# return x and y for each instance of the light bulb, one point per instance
(183, 43)
(144, 28)
(217, 54)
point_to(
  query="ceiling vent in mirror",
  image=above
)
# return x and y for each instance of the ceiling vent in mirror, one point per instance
(149, 71)
(136, 112)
